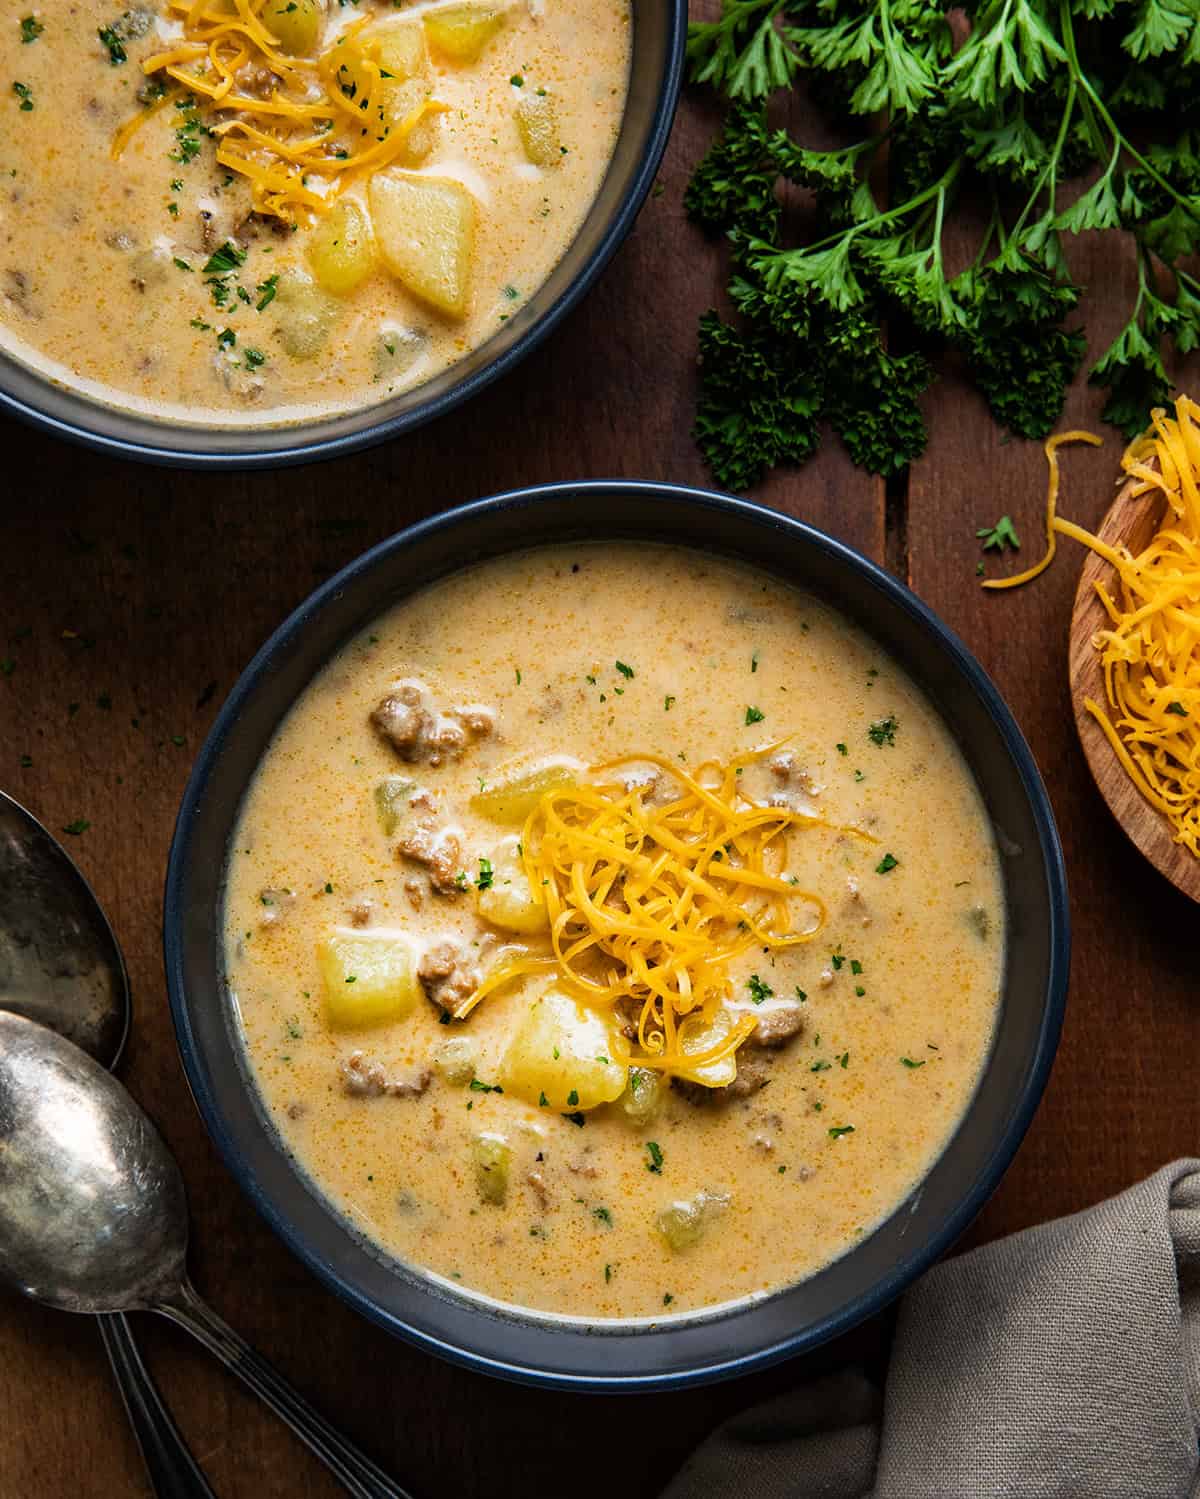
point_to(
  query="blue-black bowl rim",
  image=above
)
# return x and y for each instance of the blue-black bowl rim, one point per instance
(884, 1291)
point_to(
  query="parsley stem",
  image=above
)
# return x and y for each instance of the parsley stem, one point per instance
(934, 190)
(1050, 170)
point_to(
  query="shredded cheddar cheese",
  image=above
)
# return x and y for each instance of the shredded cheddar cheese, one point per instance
(649, 902)
(299, 129)
(1150, 655)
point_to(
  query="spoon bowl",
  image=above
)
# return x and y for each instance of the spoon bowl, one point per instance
(1132, 521)
(92, 1210)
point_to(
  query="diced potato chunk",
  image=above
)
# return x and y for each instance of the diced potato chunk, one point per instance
(397, 83)
(537, 125)
(426, 232)
(340, 249)
(565, 1056)
(699, 1035)
(643, 1096)
(397, 351)
(683, 1223)
(399, 47)
(305, 314)
(391, 799)
(456, 1060)
(370, 978)
(509, 901)
(513, 796)
(461, 32)
(492, 1156)
(295, 24)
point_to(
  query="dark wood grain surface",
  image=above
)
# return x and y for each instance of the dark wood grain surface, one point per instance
(130, 599)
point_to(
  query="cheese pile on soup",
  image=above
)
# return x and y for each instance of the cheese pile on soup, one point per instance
(614, 932)
(258, 211)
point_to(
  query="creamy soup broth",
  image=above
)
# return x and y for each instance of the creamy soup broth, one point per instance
(107, 275)
(599, 652)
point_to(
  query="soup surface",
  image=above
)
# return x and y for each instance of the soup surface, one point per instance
(266, 256)
(421, 815)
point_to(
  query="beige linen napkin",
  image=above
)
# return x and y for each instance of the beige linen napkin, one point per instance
(1062, 1363)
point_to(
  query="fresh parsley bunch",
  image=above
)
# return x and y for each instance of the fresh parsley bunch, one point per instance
(1039, 92)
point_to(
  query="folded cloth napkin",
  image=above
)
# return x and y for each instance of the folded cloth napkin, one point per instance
(1061, 1363)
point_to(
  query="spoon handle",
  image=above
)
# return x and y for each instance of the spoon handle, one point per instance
(357, 1473)
(172, 1468)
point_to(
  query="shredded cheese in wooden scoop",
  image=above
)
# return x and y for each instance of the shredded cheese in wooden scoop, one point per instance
(1151, 654)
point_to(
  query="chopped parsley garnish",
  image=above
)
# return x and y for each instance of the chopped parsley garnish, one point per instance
(543, 1101)
(668, 702)
(80, 825)
(111, 39)
(667, 1298)
(267, 291)
(181, 265)
(31, 29)
(578, 1119)
(754, 715)
(883, 730)
(517, 81)
(844, 1060)
(227, 258)
(353, 979)
(655, 1163)
(841, 749)
(754, 661)
(461, 880)
(855, 966)
(1002, 534)
(626, 671)
(486, 876)
(800, 994)
(886, 864)
(607, 1274)
(820, 1067)
(603, 1215)
(572, 1099)
(837, 959)
(25, 94)
(476, 1086)
(226, 338)
(758, 990)
(1177, 708)
(838, 1130)
(254, 358)
(908, 1062)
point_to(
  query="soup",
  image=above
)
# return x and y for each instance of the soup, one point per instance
(302, 206)
(614, 932)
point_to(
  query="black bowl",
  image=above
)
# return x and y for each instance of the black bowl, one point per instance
(875, 1270)
(656, 72)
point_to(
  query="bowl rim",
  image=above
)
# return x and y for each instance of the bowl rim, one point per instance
(906, 1268)
(298, 451)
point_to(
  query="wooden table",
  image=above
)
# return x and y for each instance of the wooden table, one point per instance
(131, 598)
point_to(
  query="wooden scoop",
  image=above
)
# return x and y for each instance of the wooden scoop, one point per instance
(1131, 522)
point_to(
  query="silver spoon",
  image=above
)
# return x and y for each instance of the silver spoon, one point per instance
(60, 964)
(93, 1218)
